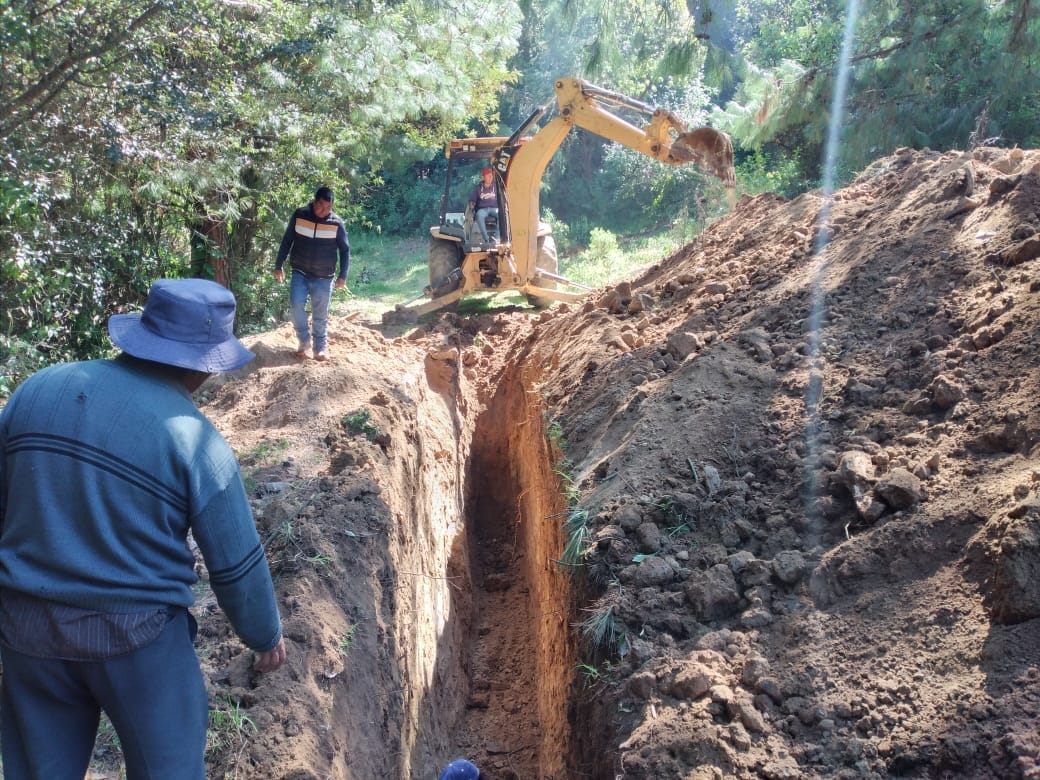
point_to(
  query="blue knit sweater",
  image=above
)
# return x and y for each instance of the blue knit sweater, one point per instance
(104, 468)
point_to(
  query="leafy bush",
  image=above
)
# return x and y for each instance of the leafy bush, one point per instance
(763, 171)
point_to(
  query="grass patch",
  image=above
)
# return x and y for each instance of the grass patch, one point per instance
(384, 271)
(611, 259)
(388, 270)
(229, 727)
(579, 537)
(554, 430)
(264, 452)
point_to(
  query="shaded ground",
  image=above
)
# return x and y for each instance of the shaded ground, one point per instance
(678, 531)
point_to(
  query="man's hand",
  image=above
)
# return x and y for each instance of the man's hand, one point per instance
(279, 274)
(340, 283)
(272, 659)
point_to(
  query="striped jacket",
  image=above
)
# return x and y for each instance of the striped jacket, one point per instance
(313, 244)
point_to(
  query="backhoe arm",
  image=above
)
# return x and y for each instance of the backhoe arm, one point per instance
(583, 105)
(665, 138)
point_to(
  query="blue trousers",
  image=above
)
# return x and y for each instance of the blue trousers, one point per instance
(480, 216)
(155, 698)
(319, 290)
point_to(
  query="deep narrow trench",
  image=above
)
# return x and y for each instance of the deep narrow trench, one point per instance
(521, 649)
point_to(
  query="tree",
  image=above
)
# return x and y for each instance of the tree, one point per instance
(149, 138)
(937, 74)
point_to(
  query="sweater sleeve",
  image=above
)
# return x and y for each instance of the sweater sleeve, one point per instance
(239, 576)
(344, 251)
(8, 409)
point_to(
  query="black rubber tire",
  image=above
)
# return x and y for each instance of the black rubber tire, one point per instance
(546, 261)
(443, 258)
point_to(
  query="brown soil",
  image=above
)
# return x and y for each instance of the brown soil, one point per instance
(761, 512)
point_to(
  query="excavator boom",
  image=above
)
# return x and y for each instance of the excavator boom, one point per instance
(580, 104)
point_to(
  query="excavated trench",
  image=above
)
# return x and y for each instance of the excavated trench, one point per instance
(517, 705)
(443, 540)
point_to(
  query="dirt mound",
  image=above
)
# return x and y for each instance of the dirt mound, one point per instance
(770, 510)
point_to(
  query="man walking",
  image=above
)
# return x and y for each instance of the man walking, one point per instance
(313, 238)
(105, 467)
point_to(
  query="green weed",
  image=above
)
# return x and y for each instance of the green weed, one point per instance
(358, 422)
(579, 537)
(229, 727)
(676, 519)
(554, 430)
(264, 452)
(346, 642)
(284, 546)
(600, 629)
(567, 485)
(589, 673)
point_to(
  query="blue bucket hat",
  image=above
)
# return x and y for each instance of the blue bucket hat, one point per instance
(187, 323)
(459, 769)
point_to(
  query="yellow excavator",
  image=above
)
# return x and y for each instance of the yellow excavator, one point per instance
(524, 259)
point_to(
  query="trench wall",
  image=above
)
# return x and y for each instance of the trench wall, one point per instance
(433, 559)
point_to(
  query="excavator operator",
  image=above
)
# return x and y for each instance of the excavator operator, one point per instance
(484, 202)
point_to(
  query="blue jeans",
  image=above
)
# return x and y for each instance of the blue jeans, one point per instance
(319, 290)
(155, 698)
(483, 214)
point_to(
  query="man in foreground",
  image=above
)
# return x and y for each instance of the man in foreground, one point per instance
(105, 466)
(313, 239)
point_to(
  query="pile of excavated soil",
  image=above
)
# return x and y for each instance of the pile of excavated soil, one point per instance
(769, 510)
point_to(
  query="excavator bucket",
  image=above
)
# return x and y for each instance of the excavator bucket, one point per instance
(711, 149)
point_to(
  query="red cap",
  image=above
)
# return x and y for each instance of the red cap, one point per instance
(485, 170)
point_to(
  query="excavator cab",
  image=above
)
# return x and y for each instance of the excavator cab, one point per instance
(456, 219)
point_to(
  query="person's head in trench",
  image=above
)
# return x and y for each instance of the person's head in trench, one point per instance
(460, 769)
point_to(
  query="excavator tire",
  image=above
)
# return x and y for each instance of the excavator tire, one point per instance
(443, 258)
(546, 261)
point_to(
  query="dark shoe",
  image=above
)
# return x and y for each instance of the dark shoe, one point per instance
(301, 350)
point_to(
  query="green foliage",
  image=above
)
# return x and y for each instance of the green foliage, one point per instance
(603, 245)
(590, 673)
(230, 727)
(604, 264)
(554, 430)
(676, 519)
(578, 535)
(169, 139)
(346, 642)
(264, 452)
(942, 75)
(770, 171)
(358, 422)
(601, 631)
(561, 231)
